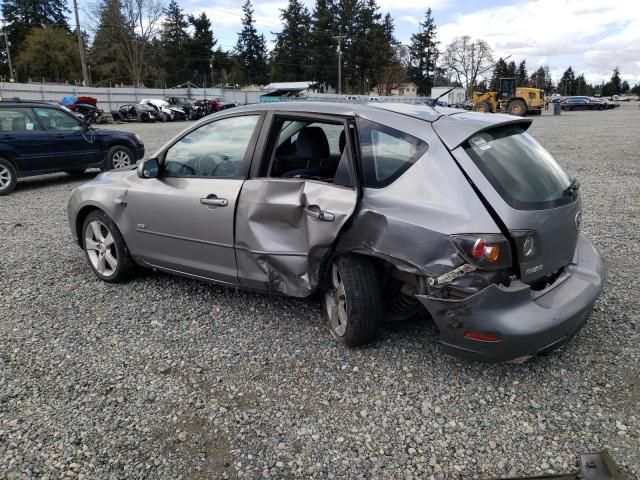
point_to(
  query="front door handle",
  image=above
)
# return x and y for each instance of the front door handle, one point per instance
(212, 201)
(314, 211)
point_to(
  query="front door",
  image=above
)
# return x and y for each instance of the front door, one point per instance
(24, 140)
(70, 147)
(293, 208)
(183, 221)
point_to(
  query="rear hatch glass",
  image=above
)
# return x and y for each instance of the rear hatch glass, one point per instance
(530, 192)
(519, 168)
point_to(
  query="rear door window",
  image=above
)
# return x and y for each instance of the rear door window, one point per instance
(17, 120)
(386, 153)
(519, 168)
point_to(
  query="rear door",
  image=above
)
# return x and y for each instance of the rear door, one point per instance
(301, 193)
(70, 147)
(183, 220)
(529, 192)
(23, 139)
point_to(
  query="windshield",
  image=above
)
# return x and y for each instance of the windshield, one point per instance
(519, 168)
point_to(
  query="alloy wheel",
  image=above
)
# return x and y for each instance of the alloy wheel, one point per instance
(5, 177)
(336, 303)
(101, 248)
(121, 159)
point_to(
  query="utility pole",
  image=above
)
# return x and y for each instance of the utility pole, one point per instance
(339, 51)
(83, 60)
(7, 45)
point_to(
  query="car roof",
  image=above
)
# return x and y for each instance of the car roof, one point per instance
(27, 103)
(452, 125)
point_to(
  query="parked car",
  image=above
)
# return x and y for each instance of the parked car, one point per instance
(459, 213)
(214, 105)
(193, 111)
(38, 138)
(134, 112)
(164, 111)
(85, 107)
(581, 103)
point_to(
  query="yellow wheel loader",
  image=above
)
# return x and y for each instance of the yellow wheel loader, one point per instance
(510, 99)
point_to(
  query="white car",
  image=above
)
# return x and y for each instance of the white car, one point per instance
(165, 111)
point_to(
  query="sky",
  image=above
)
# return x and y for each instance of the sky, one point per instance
(593, 36)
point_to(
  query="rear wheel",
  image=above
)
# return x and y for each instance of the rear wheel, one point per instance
(119, 157)
(8, 177)
(105, 248)
(517, 107)
(352, 301)
(482, 106)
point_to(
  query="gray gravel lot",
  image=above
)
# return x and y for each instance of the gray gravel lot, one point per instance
(165, 377)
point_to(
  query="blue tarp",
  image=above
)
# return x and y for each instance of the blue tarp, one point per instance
(69, 100)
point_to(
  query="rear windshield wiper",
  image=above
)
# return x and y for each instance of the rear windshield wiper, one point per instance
(573, 187)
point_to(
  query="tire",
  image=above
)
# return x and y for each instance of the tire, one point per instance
(352, 302)
(8, 177)
(482, 106)
(119, 156)
(517, 108)
(105, 249)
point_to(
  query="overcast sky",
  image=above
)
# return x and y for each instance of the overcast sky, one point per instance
(593, 36)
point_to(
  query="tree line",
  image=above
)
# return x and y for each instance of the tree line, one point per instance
(147, 43)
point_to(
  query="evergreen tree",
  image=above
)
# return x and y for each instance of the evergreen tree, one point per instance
(348, 14)
(500, 70)
(200, 48)
(105, 53)
(423, 53)
(251, 49)
(625, 87)
(567, 82)
(522, 79)
(23, 15)
(322, 45)
(511, 69)
(290, 57)
(616, 82)
(537, 79)
(174, 40)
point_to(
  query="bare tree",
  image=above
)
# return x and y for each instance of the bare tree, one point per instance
(124, 30)
(142, 23)
(394, 73)
(467, 60)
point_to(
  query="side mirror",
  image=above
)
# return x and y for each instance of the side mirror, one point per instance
(149, 168)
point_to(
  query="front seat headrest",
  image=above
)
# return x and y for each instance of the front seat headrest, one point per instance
(312, 143)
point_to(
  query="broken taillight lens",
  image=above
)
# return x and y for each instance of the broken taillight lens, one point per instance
(485, 251)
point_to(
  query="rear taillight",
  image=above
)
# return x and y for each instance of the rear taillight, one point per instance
(485, 251)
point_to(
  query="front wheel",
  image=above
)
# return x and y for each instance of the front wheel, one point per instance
(119, 157)
(8, 177)
(517, 107)
(105, 248)
(352, 300)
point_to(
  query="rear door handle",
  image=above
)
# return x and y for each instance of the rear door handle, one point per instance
(314, 211)
(213, 201)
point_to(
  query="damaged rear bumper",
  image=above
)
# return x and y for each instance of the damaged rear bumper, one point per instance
(527, 321)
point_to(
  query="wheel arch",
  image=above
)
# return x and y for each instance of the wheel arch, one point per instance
(9, 158)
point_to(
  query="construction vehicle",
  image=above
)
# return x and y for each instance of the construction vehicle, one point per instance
(510, 99)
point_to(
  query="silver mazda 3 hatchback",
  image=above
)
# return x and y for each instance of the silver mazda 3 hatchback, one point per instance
(387, 210)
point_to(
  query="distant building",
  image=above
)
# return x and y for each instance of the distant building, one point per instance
(455, 98)
(405, 89)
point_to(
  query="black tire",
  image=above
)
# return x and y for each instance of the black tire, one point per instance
(8, 177)
(117, 157)
(360, 303)
(517, 107)
(482, 106)
(125, 266)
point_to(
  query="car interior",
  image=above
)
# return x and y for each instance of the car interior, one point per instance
(310, 150)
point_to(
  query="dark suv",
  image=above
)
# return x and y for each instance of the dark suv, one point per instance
(37, 138)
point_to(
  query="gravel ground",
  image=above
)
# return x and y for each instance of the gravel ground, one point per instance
(165, 377)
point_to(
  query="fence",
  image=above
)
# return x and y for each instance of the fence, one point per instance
(111, 98)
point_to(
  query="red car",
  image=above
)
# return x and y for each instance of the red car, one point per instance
(215, 104)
